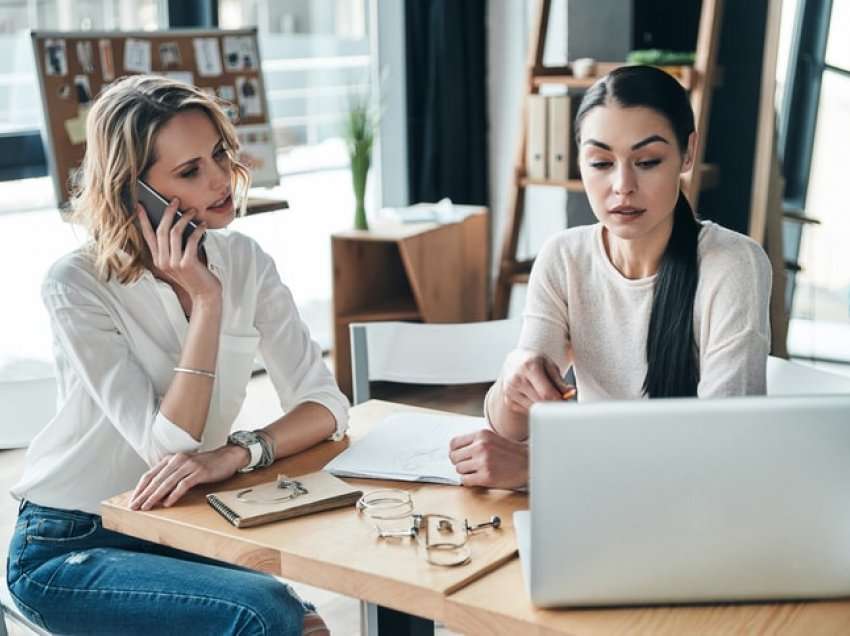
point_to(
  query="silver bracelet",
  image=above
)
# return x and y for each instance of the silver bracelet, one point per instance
(206, 374)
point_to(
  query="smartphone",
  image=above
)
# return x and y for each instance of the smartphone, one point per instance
(155, 205)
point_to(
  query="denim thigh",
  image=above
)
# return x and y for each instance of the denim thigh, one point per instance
(70, 575)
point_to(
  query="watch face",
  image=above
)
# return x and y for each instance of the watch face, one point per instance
(244, 438)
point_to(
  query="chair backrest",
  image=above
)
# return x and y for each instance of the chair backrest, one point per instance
(27, 399)
(792, 378)
(416, 353)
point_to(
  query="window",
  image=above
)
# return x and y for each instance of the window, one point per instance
(315, 53)
(816, 123)
(20, 104)
(21, 153)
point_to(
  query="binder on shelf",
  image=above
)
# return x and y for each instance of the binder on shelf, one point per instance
(536, 144)
(560, 119)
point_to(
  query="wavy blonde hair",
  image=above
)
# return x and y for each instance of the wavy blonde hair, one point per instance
(121, 131)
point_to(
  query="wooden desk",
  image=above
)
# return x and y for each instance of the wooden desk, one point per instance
(498, 604)
(338, 551)
(258, 205)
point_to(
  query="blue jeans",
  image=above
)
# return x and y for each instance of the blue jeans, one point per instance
(70, 575)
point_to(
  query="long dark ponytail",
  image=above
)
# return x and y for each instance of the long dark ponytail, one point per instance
(671, 352)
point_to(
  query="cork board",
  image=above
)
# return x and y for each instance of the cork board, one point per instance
(75, 66)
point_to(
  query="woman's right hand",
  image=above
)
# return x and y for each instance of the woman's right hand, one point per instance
(184, 267)
(529, 377)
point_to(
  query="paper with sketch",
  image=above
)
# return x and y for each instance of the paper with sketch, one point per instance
(406, 447)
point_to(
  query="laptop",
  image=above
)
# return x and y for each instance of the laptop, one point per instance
(688, 500)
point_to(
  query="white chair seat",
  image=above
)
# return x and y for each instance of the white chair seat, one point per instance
(27, 399)
(792, 378)
(8, 610)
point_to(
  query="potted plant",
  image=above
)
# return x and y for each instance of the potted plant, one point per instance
(360, 126)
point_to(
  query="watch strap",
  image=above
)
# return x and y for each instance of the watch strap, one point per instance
(254, 448)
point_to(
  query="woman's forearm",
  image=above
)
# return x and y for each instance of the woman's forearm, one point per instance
(187, 401)
(505, 422)
(304, 426)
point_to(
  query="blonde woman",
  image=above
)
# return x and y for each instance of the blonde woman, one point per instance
(154, 343)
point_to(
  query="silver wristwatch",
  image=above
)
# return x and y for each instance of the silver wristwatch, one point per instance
(250, 441)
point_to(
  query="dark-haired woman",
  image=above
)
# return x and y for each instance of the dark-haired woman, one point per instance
(649, 302)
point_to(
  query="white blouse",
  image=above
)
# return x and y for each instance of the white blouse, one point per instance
(115, 348)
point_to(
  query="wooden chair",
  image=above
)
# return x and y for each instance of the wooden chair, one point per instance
(417, 353)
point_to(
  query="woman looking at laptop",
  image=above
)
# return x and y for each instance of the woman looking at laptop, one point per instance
(155, 336)
(649, 302)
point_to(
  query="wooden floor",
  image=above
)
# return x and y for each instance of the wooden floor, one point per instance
(341, 613)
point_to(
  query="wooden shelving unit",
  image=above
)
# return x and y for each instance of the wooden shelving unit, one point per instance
(698, 79)
(424, 272)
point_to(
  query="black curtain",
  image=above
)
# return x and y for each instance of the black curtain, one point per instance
(446, 100)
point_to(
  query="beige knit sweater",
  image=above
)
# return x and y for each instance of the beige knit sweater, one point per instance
(582, 312)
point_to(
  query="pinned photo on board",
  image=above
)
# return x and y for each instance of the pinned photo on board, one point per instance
(55, 57)
(248, 92)
(227, 93)
(187, 77)
(85, 55)
(207, 56)
(257, 152)
(76, 127)
(107, 64)
(240, 54)
(137, 56)
(228, 96)
(169, 55)
(83, 89)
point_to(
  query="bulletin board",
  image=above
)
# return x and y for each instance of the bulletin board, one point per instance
(75, 66)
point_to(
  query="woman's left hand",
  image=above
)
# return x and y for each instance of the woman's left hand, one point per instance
(485, 458)
(174, 475)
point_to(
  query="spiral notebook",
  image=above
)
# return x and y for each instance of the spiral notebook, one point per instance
(247, 507)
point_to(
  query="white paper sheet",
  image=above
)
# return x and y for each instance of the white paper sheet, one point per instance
(137, 56)
(207, 57)
(407, 447)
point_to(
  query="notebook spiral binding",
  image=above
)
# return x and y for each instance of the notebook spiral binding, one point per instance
(226, 511)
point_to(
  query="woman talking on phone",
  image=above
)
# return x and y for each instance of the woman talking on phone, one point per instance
(647, 303)
(155, 337)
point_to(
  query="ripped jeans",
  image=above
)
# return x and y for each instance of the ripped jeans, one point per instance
(70, 575)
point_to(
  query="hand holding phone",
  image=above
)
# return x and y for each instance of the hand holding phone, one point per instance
(186, 269)
(155, 205)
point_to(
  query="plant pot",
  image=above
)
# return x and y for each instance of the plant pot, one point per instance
(359, 173)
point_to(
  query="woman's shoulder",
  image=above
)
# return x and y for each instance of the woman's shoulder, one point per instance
(724, 254)
(718, 242)
(74, 269)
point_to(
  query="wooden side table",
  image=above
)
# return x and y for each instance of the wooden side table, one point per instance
(426, 272)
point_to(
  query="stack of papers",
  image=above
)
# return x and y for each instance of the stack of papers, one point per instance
(407, 447)
(444, 211)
